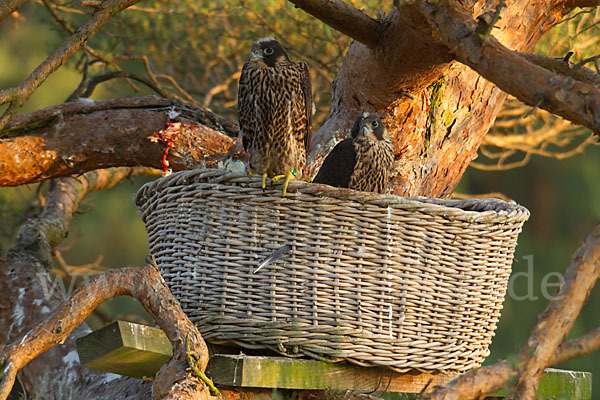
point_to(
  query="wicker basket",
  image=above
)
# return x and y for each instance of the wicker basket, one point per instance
(408, 283)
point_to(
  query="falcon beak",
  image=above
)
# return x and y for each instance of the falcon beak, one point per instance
(365, 130)
(255, 55)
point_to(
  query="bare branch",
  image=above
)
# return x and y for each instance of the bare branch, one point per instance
(17, 96)
(561, 66)
(62, 22)
(59, 210)
(578, 102)
(10, 6)
(24, 282)
(85, 135)
(474, 384)
(560, 314)
(344, 18)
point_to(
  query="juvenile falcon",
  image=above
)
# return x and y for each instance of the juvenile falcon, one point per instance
(275, 112)
(363, 161)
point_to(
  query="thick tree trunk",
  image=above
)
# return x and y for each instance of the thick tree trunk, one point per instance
(437, 111)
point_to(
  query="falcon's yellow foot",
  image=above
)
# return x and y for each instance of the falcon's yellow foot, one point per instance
(251, 172)
(288, 177)
(305, 179)
(264, 181)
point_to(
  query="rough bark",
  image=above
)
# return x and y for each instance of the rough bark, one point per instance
(564, 67)
(576, 348)
(82, 136)
(533, 85)
(437, 111)
(10, 6)
(337, 14)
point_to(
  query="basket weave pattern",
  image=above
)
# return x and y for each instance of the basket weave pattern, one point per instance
(408, 283)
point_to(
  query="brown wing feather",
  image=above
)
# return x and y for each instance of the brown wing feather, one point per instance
(307, 91)
(244, 107)
(338, 167)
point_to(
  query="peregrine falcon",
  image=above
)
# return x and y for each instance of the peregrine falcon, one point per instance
(275, 112)
(363, 161)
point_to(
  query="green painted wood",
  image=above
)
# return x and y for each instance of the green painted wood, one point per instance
(289, 373)
(125, 348)
(139, 351)
(559, 384)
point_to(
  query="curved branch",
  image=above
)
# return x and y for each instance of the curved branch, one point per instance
(557, 319)
(28, 290)
(144, 284)
(85, 135)
(345, 19)
(17, 96)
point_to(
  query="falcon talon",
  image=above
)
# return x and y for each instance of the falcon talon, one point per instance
(264, 181)
(288, 177)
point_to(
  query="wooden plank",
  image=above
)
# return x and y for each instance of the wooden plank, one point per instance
(125, 348)
(562, 384)
(139, 351)
(289, 373)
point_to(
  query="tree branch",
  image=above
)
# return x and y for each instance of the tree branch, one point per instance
(557, 319)
(578, 347)
(37, 236)
(17, 96)
(560, 66)
(144, 284)
(345, 19)
(10, 6)
(80, 136)
(531, 84)
(545, 338)
(28, 290)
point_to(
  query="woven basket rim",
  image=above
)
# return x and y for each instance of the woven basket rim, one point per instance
(470, 210)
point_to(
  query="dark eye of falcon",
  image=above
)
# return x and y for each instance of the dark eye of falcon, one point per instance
(375, 124)
(268, 51)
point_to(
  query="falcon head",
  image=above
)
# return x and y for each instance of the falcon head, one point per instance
(370, 127)
(267, 52)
